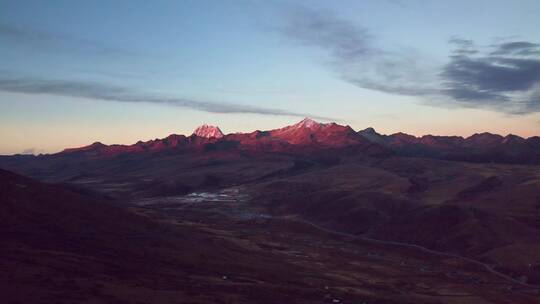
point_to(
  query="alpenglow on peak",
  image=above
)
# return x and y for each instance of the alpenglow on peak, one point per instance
(208, 131)
(308, 123)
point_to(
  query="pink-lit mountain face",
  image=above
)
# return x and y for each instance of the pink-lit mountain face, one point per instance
(208, 131)
(302, 137)
(309, 131)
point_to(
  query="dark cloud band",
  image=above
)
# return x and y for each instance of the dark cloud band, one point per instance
(40, 40)
(504, 77)
(101, 91)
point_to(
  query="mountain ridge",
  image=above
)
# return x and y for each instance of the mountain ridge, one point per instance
(303, 134)
(479, 147)
(308, 136)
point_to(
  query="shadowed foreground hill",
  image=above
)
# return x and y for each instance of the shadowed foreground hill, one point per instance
(59, 246)
(62, 247)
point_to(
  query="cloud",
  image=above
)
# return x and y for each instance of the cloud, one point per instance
(463, 46)
(504, 77)
(100, 91)
(354, 55)
(324, 29)
(524, 48)
(40, 40)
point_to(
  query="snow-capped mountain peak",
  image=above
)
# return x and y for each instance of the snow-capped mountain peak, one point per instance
(307, 123)
(208, 131)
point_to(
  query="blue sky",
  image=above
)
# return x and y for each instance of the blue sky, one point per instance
(75, 72)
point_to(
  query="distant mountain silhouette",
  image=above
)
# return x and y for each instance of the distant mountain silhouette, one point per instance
(480, 147)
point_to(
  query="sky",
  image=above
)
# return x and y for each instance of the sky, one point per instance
(76, 72)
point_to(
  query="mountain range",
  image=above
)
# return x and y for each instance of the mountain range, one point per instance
(309, 136)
